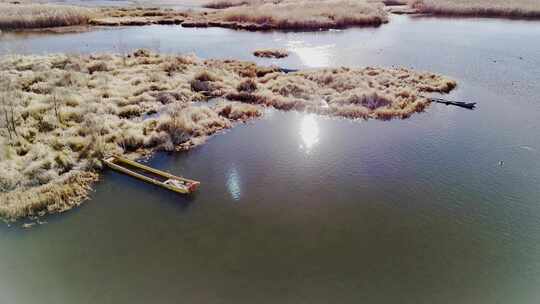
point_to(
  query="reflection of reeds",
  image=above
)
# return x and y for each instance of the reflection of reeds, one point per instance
(65, 113)
(310, 15)
(24, 16)
(480, 8)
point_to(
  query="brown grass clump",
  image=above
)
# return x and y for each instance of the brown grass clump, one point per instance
(238, 111)
(25, 16)
(57, 196)
(61, 115)
(480, 8)
(271, 53)
(307, 15)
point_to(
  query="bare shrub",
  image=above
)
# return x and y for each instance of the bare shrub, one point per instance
(238, 111)
(204, 81)
(247, 85)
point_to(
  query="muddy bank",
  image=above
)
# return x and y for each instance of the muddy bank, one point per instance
(61, 114)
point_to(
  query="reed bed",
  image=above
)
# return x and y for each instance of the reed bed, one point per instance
(307, 15)
(27, 16)
(61, 115)
(258, 15)
(480, 8)
(366, 93)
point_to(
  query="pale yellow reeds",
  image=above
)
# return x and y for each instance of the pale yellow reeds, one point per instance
(25, 16)
(308, 15)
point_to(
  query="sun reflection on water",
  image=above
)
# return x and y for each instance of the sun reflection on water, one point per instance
(309, 132)
(233, 183)
(312, 56)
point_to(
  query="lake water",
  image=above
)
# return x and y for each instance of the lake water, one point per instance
(297, 208)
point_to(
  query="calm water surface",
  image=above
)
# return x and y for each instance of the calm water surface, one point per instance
(297, 208)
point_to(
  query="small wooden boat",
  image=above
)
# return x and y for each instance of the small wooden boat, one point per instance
(151, 175)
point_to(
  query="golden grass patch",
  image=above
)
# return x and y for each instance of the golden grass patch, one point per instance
(480, 8)
(26, 16)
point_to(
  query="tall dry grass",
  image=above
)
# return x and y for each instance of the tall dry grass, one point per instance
(308, 15)
(26, 16)
(480, 8)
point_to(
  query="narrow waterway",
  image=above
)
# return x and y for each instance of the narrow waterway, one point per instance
(297, 208)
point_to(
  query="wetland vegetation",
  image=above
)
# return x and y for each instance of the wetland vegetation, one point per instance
(63, 113)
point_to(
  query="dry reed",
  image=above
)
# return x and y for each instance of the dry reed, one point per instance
(307, 15)
(25, 16)
(62, 114)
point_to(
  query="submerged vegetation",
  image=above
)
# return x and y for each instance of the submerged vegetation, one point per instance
(61, 114)
(25, 16)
